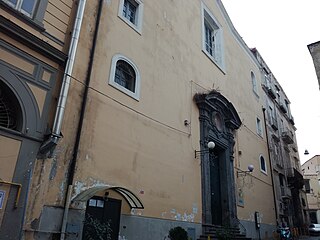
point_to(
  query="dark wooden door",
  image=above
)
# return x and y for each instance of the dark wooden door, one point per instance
(216, 208)
(102, 219)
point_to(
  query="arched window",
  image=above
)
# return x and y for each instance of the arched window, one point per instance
(10, 111)
(124, 76)
(254, 83)
(263, 166)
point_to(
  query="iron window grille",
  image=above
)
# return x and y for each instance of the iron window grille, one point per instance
(10, 112)
(130, 10)
(125, 75)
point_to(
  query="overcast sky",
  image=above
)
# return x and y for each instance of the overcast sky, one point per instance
(281, 31)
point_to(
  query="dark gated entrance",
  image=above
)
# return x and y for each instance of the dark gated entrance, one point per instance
(102, 219)
(218, 121)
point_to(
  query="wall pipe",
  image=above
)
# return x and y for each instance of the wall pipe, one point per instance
(271, 164)
(57, 124)
(72, 166)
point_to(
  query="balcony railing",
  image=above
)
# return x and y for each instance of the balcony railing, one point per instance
(285, 193)
(287, 136)
(271, 92)
(295, 178)
(283, 107)
(274, 123)
(291, 119)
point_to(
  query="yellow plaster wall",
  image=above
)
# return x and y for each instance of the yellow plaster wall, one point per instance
(57, 23)
(144, 145)
(8, 155)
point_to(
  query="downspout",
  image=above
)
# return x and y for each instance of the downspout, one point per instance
(271, 164)
(50, 143)
(72, 166)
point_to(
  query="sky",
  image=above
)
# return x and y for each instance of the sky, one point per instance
(281, 31)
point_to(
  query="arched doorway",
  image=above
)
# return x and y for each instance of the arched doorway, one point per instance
(104, 205)
(218, 121)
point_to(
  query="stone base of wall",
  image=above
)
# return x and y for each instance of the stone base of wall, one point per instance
(144, 228)
(266, 230)
(132, 227)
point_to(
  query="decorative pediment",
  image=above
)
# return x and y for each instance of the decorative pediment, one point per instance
(218, 110)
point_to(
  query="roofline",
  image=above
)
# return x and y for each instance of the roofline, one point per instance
(236, 34)
(310, 159)
(312, 44)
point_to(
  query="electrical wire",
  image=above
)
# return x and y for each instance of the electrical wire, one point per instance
(130, 108)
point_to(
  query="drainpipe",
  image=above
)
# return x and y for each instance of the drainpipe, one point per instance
(49, 144)
(271, 164)
(72, 166)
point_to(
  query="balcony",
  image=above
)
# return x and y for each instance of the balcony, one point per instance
(274, 123)
(295, 178)
(287, 136)
(283, 107)
(271, 92)
(291, 120)
(285, 193)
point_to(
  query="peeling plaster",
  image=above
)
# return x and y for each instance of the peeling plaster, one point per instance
(61, 192)
(108, 2)
(53, 170)
(81, 187)
(138, 212)
(186, 217)
(251, 217)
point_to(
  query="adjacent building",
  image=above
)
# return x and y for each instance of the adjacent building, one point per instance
(311, 177)
(314, 49)
(34, 43)
(108, 136)
(285, 167)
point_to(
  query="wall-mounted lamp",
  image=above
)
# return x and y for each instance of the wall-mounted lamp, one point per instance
(306, 152)
(244, 173)
(210, 146)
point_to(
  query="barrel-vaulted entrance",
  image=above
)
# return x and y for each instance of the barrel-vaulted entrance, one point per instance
(103, 210)
(218, 121)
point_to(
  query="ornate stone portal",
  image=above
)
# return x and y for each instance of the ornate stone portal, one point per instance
(218, 121)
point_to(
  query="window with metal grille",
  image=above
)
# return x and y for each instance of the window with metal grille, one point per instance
(27, 7)
(125, 75)
(10, 111)
(129, 10)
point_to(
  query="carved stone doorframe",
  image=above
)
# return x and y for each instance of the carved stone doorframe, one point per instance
(218, 121)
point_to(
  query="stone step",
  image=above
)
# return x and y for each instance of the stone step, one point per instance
(214, 232)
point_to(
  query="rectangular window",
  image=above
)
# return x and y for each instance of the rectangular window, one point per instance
(212, 38)
(254, 83)
(130, 11)
(27, 7)
(307, 185)
(259, 127)
(209, 40)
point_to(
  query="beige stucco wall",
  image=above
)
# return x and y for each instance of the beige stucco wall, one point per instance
(144, 145)
(310, 171)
